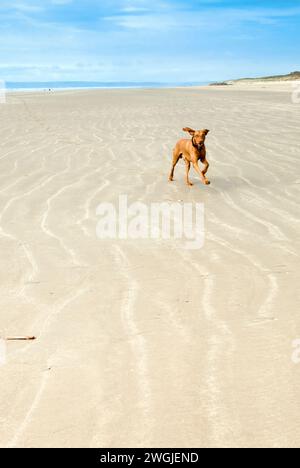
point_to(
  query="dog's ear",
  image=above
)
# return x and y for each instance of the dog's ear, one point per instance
(206, 131)
(189, 130)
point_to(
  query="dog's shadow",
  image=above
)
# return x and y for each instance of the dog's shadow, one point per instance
(233, 183)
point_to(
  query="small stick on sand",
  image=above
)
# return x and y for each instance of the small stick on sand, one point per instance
(21, 338)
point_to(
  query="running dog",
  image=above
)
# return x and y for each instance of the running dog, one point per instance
(192, 151)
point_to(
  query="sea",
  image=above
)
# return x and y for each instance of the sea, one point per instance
(65, 85)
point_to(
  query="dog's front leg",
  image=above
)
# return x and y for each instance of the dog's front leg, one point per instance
(201, 174)
(188, 166)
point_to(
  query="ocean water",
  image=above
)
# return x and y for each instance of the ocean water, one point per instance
(61, 85)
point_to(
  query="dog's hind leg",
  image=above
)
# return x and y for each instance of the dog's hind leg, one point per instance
(176, 157)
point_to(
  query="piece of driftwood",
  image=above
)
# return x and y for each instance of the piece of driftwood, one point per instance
(21, 338)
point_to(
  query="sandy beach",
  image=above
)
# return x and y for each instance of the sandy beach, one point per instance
(141, 343)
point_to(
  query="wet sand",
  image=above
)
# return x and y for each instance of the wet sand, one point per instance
(144, 344)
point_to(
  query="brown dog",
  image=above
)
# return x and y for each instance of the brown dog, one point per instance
(192, 151)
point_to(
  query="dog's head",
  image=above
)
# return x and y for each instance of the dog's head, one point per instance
(198, 136)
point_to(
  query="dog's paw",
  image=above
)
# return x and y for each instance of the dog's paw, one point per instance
(207, 182)
(190, 184)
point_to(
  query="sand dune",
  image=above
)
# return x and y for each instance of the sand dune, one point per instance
(144, 343)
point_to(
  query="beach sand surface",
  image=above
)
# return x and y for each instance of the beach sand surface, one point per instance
(142, 343)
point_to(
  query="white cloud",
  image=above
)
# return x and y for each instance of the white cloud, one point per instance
(206, 19)
(22, 7)
(134, 39)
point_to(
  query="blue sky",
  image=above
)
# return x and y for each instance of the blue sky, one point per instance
(153, 40)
